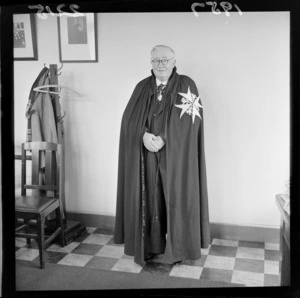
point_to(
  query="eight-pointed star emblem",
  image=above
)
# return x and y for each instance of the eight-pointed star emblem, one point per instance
(190, 104)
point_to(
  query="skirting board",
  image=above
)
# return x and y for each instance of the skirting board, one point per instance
(218, 230)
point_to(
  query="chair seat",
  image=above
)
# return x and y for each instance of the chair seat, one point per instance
(34, 204)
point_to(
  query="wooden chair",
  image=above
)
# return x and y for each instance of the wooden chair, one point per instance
(45, 197)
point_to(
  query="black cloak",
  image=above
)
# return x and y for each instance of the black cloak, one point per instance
(186, 187)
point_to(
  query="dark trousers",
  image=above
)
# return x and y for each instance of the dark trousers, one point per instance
(155, 202)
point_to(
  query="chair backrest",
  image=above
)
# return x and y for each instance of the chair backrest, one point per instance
(45, 169)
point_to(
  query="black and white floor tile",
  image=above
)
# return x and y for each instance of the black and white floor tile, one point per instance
(252, 264)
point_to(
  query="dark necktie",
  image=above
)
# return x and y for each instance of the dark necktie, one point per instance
(160, 90)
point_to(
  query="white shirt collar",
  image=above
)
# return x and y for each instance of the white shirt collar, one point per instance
(158, 82)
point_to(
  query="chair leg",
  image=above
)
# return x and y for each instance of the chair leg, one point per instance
(41, 239)
(28, 240)
(60, 223)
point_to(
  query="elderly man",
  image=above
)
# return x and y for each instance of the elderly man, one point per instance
(162, 203)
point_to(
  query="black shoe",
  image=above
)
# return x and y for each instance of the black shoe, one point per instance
(150, 256)
(177, 263)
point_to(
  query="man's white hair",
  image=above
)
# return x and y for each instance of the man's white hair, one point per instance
(162, 46)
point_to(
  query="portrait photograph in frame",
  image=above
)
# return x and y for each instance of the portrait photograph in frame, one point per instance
(77, 38)
(25, 45)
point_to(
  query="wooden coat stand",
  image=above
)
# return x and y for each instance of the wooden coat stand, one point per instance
(72, 228)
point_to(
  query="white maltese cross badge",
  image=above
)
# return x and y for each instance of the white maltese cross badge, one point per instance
(190, 104)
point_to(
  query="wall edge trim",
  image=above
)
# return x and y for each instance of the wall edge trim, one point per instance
(218, 230)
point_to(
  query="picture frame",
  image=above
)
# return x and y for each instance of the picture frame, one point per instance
(25, 41)
(77, 38)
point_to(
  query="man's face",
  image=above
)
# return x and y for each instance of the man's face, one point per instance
(162, 72)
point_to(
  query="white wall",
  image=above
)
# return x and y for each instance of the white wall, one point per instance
(241, 67)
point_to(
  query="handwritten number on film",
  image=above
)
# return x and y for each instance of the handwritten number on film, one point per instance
(225, 5)
(43, 15)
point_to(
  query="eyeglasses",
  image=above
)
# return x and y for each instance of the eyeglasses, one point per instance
(163, 61)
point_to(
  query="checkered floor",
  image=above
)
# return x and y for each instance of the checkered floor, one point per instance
(249, 263)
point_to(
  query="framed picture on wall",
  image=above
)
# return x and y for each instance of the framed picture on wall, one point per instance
(77, 38)
(25, 45)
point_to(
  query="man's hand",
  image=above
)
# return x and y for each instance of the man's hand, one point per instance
(149, 142)
(152, 142)
(159, 142)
